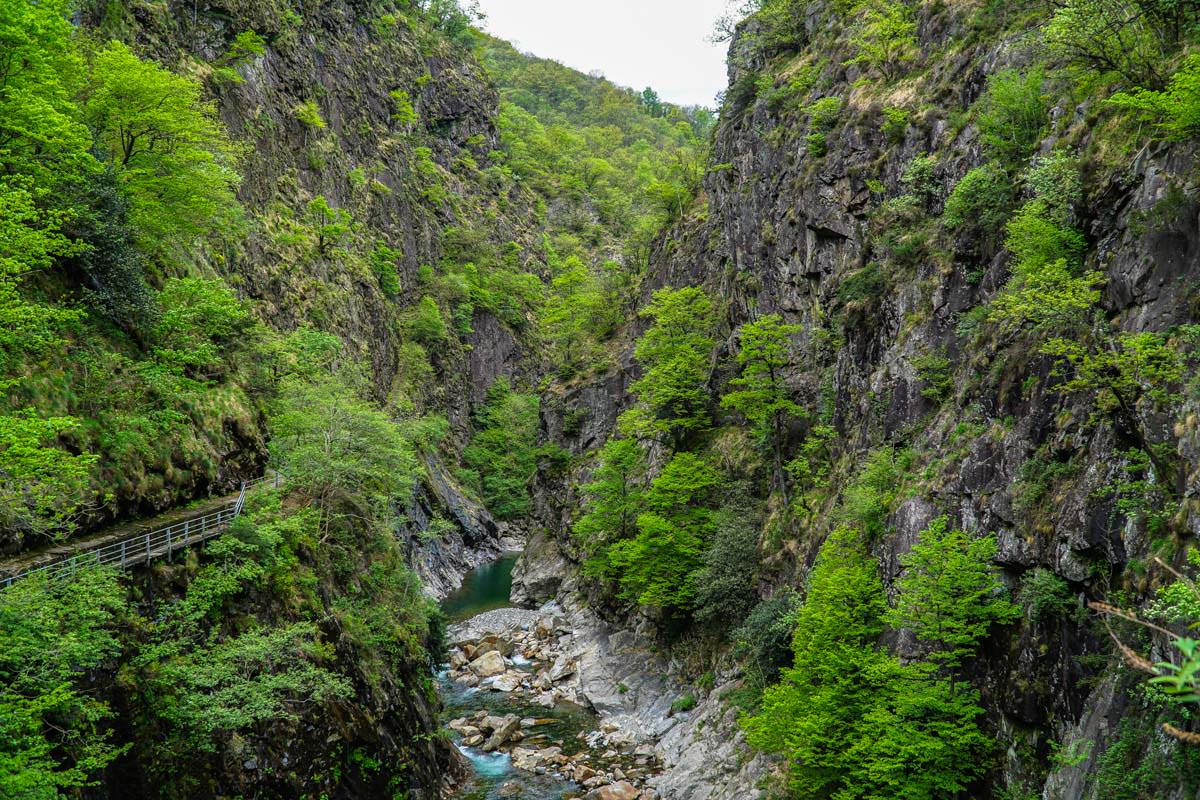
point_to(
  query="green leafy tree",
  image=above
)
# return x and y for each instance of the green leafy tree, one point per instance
(171, 155)
(200, 322)
(330, 225)
(949, 594)
(43, 487)
(1129, 39)
(503, 454)
(921, 740)
(30, 241)
(675, 356)
(53, 733)
(816, 714)
(614, 498)
(41, 75)
(884, 37)
(760, 393)
(339, 452)
(1175, 110)
(659, 565)
(1012, 114)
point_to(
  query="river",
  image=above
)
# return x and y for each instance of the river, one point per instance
(487, 589)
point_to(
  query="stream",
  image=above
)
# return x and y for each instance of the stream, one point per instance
(487, 589)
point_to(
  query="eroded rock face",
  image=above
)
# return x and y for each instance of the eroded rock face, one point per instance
(783, 231)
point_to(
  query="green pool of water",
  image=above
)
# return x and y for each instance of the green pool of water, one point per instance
(483, 589)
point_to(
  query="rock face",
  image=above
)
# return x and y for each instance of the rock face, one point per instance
(787, 230)
(443, 553)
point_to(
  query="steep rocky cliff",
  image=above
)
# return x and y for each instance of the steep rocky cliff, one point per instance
(838, 226)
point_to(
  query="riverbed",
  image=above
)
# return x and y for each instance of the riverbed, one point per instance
(484, 590)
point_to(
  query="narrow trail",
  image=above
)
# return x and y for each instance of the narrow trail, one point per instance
(138, 542)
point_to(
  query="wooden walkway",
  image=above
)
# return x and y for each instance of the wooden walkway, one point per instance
(124, 552)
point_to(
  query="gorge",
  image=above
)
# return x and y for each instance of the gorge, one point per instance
(848, 433)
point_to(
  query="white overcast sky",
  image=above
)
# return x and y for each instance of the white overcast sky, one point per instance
(637, 43)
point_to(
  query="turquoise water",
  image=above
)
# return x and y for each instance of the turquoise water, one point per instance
(485, 589)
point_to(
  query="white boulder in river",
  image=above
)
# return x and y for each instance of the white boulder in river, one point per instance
(489, 664)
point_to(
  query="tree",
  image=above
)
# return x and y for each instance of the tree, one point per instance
(883, 37)
(201, 321)
(502, 455)
(331, 225)
(41, 73)
(816, 714)
(613, 500)
(53, 735)
(725, 588)
(922, 738)
(30, 240)
(1129, 39)
(1012, 114)
(1176, 109)
(659, 565)
(761, 394)
(42, 486)
(171, 155)
(675, 356)
(339, 451)
(949, 595)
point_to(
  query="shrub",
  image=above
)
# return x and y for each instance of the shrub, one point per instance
(503, 449)
(309, 113)
(383, 264)
(1175, 110)
(1045, 595)
(1013, 114)
(426, 324)
(920, 178)
(764, 640)
(895, 124)
(725, 588)
(684, 703)
(980, 202)
(934, 370)
(823, 115)
(1055, 181)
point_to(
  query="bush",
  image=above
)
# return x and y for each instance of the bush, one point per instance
(1013, 114)
(980, 202)
(934, 370)
(764, 640)
(823, 115)
(426, 325)
(725, 588)
(503, 449)
(1045, 595)
(920, 178)
(895, 124)
(1175, 110)
(682, 704)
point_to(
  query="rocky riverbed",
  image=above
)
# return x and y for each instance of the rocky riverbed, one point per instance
(513, 690)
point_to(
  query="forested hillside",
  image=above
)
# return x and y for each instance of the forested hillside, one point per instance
(244, 234)
(867, 404)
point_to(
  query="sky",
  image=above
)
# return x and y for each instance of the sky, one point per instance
(637, 43)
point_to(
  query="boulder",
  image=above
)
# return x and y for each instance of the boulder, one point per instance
(489, 664)
(563, 668)
(621, 790)
(501, 733)
(508, 682)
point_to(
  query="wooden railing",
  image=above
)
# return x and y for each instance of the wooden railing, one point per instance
(142, 548)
